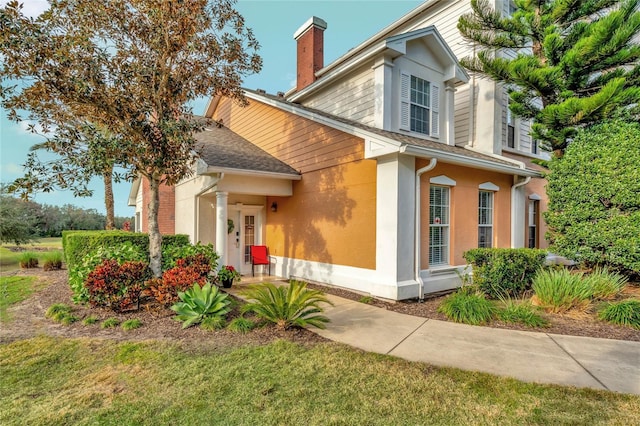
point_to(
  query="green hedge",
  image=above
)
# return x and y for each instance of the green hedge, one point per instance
(77, 244)
(504, 272)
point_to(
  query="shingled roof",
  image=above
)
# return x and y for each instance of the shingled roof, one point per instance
(219, 147)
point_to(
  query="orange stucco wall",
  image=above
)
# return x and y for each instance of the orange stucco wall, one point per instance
(331, 216)
(463, 230)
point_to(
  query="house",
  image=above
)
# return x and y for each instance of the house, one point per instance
(375, 173)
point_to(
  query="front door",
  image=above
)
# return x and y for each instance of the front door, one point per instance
(244, 231)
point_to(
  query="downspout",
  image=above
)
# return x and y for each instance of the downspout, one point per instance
(417, 250)
(514, 212)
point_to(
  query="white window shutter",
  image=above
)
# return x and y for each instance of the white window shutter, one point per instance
(405, 88)
(435, 110)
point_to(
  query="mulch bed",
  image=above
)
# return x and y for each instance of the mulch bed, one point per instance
(28, 320)
(574, 324)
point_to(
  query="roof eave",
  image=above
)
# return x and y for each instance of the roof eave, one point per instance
(245, 172)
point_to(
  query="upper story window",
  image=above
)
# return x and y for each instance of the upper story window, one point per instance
(419, 105)
(511, 128)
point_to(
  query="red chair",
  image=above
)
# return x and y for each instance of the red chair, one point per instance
(259, 256)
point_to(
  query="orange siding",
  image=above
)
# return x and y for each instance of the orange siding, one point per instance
(463, 228)
(330, 218)
(304, 145)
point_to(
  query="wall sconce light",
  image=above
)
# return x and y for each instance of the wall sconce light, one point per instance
(274, 207)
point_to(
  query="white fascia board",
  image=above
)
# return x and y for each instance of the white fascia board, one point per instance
(461, 160)
(133, 192)
(243, 172)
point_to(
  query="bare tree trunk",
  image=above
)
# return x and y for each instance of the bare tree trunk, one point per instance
(108, 198)
(155, 238)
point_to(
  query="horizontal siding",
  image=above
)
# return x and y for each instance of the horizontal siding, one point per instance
(352, 97)
(462, 115)
(303, 144)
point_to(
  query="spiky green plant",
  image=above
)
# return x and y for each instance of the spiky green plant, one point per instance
(90, 320)
(68, 319)
(522, 312)
(212, 323)
(604, 284)
(559, 290)
(110, 323)
(287, 305)
(198, 303)
(52, 261)
(28, 260)
(625, 312)
(57, 309)
(468, 307)
(241, 325)
(131, 324)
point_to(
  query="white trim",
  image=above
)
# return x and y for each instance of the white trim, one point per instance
(489, 186)
(535, 197)
(442, 180)
(245, 172)
(314, 21)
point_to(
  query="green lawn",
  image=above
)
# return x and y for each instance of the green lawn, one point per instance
(48, 381)
(14, 290)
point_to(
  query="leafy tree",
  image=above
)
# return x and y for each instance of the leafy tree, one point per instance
(83, 151)
(129, 67)
(594, 201)
(17, 225)
(565, 63)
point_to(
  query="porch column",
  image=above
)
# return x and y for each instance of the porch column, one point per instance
(221, 226)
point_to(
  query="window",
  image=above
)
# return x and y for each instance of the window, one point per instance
(419, 105)
(534, 146)
(511, 7)
(533, 220)
(511, 128)
(438, 225)
(485, 219)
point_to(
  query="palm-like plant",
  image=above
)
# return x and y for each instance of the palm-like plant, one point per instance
(286, 306)
(199, 303)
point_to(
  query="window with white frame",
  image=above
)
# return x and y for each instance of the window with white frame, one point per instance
(485, 219)
(533, 222)
(419, 105)
(511, 128)
(438, 225)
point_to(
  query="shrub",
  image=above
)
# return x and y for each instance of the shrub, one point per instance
(131, 324)
(52, 261)
(559, 290)
(625, 312)
(79, 273)
(110, 323)
(467, 307)
(286, 306)
(241, 325)
(172, 253)
(594, 208)
(604, 284)
(117, 286)
(174, 281)
(521, 313)
(199, 303)
(28, 260)
(504, 272)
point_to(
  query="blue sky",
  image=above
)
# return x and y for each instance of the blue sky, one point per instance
(274, 22)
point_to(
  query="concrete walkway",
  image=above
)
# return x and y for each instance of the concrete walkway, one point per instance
(532, 357)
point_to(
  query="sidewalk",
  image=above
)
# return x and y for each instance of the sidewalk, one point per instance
(528, 356)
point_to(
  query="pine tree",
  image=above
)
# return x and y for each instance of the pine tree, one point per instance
(566, 64)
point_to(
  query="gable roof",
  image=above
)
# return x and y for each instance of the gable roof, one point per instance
(399, 142)
(223, 150)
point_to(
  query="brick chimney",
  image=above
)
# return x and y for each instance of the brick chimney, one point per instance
(310, 38)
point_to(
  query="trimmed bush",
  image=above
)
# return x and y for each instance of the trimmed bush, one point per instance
(117, 286)
(78, 244)
(287, 306)
(594, 207)
(625, 312)
(503, 273)
(467, 307)
(559, 290)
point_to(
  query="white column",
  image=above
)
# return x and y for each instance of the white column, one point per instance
(221, 226)
(382, 71)
(518, 206)
(450, 112)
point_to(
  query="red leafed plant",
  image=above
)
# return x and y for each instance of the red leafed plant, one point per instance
(117, 286)
(188, 271)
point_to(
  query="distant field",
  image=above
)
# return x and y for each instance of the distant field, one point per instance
(9, 259)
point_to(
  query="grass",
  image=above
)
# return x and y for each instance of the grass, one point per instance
(14, 290)
(110, 323)
(521, 313)
(624, 312)
(90, 320)
(131, 324)
(604, 284)
(48, 381)
(241, 325)
(28, 259)
(467, 307)
(10, 260)
(559, 290)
